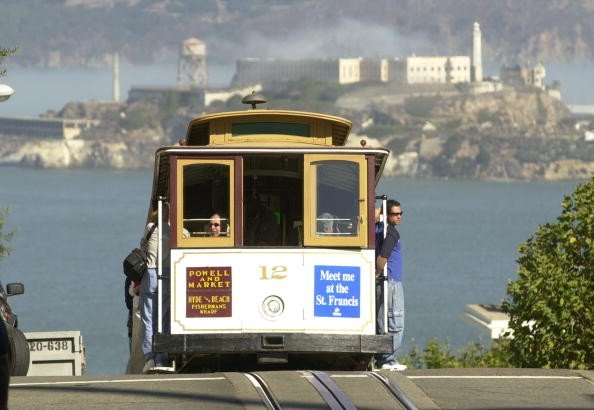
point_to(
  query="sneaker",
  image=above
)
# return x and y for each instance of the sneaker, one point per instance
(150, 367)
(162, 368)
(150, 364)
(394, 366)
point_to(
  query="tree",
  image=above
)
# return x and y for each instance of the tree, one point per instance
(551, 304)
(5, 52)
(4, 237)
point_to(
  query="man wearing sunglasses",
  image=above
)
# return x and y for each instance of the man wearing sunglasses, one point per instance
(214, 226)
(389, 252)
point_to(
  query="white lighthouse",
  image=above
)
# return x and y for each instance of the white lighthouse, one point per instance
(116, 78)
(477, 62)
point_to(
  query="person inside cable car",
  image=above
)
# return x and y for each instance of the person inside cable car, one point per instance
(263, 228)
(217, 226)
(327, 224)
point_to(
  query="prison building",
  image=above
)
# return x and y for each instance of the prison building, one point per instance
(159, 93)
(517, 75)
(278, 71)
(430, 70)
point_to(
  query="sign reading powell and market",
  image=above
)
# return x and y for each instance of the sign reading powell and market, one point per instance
(208, 292)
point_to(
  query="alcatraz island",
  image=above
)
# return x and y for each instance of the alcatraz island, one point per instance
(439, 115)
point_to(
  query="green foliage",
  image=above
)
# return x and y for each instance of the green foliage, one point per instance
(483, 158)
(5, 52)
(398, 145)
(542, 111)
(308, 91)
(451, 163)
(4, 237)
(137, 119)
(439, 356)
(542, 150)
(584, 150)
(451, 125)
(169, 105)
(551, 304)
(441, 166)
(484, 115)
(496, 118)
(452, 145)
(379, 131)
(463, 166)
(420, 106)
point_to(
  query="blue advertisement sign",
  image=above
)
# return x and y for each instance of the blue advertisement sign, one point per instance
(337, 291)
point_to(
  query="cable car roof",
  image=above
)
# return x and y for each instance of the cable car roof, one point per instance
(322, 129)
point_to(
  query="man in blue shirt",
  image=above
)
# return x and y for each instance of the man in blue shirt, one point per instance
(389, 251)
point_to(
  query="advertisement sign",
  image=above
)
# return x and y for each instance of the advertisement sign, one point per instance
(337, 291)
(208, 291)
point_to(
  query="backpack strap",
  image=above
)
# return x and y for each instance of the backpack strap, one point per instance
(150, 232)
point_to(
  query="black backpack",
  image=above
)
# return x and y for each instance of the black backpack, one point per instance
(135, 264)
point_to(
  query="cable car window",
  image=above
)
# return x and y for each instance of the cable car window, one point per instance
(335, 200)
(267, 128)
(205, 208)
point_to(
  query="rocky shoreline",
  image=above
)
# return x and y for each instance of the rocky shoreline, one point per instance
(514, 134)
(81, 154)
(120, 155)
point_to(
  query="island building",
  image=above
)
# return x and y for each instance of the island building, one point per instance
(455, 69)
(57, 128)
(253, 74)
(408, 70)
(517, 75)
(430, 70)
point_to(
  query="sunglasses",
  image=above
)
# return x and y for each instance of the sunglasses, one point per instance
(396, 213)
(215, 224)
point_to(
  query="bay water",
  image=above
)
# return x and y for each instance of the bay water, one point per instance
(75, 226)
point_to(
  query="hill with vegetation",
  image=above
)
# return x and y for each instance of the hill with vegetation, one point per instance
(441, 131)
(85, 32)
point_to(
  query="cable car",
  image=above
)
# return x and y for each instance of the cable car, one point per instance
(271, 241)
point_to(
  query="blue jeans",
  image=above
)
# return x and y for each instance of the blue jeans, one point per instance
(149, 314)
(395, 316)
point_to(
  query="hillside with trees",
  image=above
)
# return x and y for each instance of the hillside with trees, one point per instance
(85, 32)
(513, 134)
(519, 133)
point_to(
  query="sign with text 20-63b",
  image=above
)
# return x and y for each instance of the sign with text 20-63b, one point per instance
(337, 291)
(208, 291)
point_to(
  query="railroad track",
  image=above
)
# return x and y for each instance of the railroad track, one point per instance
(331, 393)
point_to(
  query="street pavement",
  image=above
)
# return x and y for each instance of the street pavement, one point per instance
(426, 389)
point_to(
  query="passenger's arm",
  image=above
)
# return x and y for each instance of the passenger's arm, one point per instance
(379, 266)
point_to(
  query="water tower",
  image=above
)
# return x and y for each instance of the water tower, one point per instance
(192, 63)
